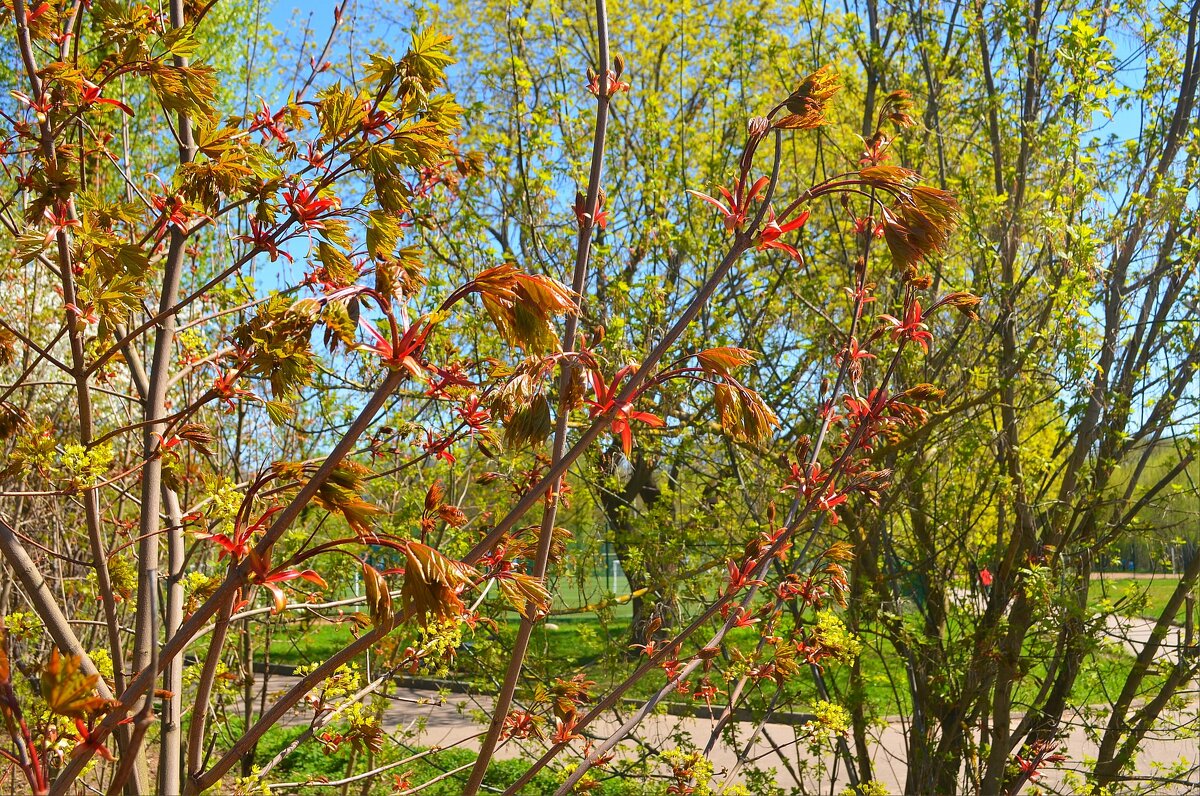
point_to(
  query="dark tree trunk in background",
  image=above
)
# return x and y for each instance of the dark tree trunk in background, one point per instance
(656, 573)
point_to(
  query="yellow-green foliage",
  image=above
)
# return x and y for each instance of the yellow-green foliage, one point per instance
(831, 633)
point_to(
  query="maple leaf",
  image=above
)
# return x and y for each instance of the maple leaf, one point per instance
(919, 226)
(735, 209)
(9, 706)
(340, 494)
(432, 583)
(961, 300)
(198, 436)
(806, 105)
(526, 594)
(379, 599)
(606, 396)
(772, 231)
(720, 361)
(529, 423)
(612, 80)
(67, 690)
(90, 94)
(521, 305)
(260, 567)
(522, 724)
(889, 176)
(912, 328)
(285, 575)
(743, 413)
(309, 206)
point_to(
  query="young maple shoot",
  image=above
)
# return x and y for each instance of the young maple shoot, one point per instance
(294, 177)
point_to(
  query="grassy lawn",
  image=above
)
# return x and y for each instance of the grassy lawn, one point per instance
(580, 643)
(609, 589)
(312, 761)
(575, 641)
(1132, 596)
(313, 643)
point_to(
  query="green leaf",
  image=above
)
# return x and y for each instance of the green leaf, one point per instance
(279, 412)
(184, 89)
(181, 41)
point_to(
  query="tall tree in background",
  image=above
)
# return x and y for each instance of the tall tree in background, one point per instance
(1077, 417)
(1069, 421)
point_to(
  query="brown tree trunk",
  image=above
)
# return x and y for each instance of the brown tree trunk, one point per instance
(655, 600)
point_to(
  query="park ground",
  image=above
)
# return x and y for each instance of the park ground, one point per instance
(449, 716)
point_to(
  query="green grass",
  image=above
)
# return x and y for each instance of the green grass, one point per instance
(314, 641)
(571, 642)
(310, 643)
(591, 589)
(312, 761)
(1145, 597)
(580, 643)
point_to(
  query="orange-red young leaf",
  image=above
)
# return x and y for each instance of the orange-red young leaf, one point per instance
(743, 413)
(522, 304)
(432, 583)
(67, 690)
(379, 599)
(526, 594)
(433, 497)
(722, 360)
(887, 176)
(806, 105)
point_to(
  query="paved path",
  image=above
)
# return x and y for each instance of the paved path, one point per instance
(1131, 631)
(1134, 576)
(453, 720)
(1134, 632)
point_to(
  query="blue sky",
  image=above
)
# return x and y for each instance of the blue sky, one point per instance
(283, 13)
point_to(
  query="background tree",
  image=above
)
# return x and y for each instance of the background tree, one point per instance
(1077, 416)
(1069, 419)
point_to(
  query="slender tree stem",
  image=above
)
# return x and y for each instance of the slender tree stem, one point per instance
(194, 624)
(91, 500)
(45, 602)
(550, 511)
(146, 633)
(204, 689)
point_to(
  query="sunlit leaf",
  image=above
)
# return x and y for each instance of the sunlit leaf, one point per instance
(67, 690)
(432, 583)
(526, 594)
(725, 359)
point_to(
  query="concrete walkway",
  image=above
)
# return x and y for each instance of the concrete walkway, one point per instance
(445, 720)
(1134, 632)
(453, 720)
